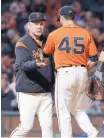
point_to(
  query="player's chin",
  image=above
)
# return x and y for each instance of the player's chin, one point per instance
(38, 34)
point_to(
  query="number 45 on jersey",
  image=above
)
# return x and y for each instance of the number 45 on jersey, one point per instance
(68, 48)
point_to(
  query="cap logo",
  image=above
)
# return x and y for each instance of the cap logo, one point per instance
(69, 11)
(37, 15)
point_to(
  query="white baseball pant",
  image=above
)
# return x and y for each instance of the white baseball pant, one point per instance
(70, 98)
(29, 105)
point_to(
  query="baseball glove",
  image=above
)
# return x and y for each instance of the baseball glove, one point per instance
(95, 89)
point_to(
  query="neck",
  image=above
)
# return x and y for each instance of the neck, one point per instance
(37, 37)
(69, 23)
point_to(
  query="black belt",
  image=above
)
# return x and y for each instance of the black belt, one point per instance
(73, 65)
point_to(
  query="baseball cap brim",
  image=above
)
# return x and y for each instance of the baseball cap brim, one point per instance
(41, 19)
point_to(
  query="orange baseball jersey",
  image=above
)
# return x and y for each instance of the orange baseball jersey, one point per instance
(71, 46)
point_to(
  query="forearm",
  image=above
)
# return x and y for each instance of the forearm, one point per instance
(28, 65)
(101, 58)
(24, 60)
(91, 64)
(100, 66)
(93, 60)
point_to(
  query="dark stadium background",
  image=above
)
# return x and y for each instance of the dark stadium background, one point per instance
(90, 15)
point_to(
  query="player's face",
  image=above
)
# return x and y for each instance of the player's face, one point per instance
(37, 28)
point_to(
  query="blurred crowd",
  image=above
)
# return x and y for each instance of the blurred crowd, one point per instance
(13, 20)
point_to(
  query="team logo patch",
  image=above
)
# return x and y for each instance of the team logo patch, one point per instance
(37, 54)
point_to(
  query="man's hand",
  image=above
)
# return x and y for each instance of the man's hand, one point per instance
(46, 60)
(91, 64)
(40, 63)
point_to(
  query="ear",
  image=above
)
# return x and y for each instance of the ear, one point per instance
(61, 19)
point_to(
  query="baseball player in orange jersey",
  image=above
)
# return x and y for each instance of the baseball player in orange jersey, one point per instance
(72, 46)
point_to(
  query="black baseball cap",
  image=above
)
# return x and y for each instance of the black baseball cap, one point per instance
(36, 16)
(66, 11)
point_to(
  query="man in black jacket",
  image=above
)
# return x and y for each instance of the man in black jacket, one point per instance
(33, 83)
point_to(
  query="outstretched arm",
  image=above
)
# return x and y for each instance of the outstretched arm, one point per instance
(100, 67)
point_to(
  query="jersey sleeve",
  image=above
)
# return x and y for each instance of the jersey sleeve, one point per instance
(49, 46)
(92, 47)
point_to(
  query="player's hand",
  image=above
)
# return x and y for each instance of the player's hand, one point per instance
(91, 64)
(40, 63)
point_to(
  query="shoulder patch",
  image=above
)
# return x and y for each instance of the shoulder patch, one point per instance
(21, 44)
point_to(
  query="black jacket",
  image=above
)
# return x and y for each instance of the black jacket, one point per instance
(29, 77)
